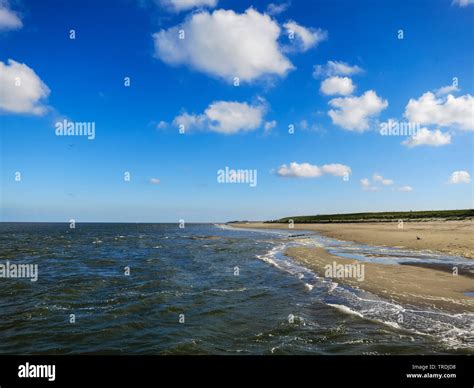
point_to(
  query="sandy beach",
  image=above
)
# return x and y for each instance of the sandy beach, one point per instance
(417, 286)
(452, 237)
(413, 285)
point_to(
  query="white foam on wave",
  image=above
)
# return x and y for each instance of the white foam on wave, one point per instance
(345, 309)
(332, 287)
(242, 289)
(453, 330)
(276, 258)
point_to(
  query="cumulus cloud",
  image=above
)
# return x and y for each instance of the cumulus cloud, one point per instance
(297, 170)
(225, 44)
(424, 136)
(155, 181)
(276, 9)
(232, 117)
(306, 38)
(307, 170)
(21, 90)
(333, 68)
(184, 5)
(443, 112)
(9, 20)
(463, 3)
(446, 90)
(337, 85)
(354, 113)
(459, 177)
(336, 169)
(405, 189)
(190, 121)
(226, 117)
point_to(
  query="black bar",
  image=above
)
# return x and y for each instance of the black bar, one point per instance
(319, 371)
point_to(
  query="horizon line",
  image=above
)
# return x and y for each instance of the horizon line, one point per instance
(229, 221)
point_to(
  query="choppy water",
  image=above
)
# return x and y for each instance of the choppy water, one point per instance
(272, 306)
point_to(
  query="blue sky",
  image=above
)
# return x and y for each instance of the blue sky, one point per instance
(332, 163)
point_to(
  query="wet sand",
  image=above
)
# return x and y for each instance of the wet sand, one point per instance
(452, 237)
(404, 284)
(422, 287)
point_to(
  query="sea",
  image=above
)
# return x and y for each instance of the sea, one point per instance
(136, 288)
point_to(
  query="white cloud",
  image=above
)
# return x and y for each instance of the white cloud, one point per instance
(232, 117)
(377, 183)
(155, 181)
(444, 112)
(276, 9)
(336, 169)
(9, 20)
(332, 68)
(183, 5)
(353, 113)
(21, 91)
(225, 44)
(405, 189)
(226, 117)
(306, 38)
(269, 125)
(337, 85)
(463, 3)
(162, 125)
(424, 136)
(366, 185)
(380, 179)
(297, 170)
(459, 177)
(307, 170)
(190, 121)
(446, 90)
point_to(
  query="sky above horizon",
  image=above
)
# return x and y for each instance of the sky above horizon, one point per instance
(298, 93)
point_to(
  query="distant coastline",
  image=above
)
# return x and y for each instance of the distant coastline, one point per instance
(451, 237)
(408, 216)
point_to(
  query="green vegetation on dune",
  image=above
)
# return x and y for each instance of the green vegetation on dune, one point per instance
(382, 216)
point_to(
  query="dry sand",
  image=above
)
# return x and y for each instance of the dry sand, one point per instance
(452, 237)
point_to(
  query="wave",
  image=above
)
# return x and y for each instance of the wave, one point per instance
(454, 331)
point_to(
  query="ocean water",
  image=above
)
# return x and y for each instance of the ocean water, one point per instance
(204, 289)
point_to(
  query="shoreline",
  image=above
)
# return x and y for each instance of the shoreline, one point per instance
(404, 284)
(452, 237)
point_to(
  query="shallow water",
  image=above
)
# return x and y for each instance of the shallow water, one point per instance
(235, 289)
